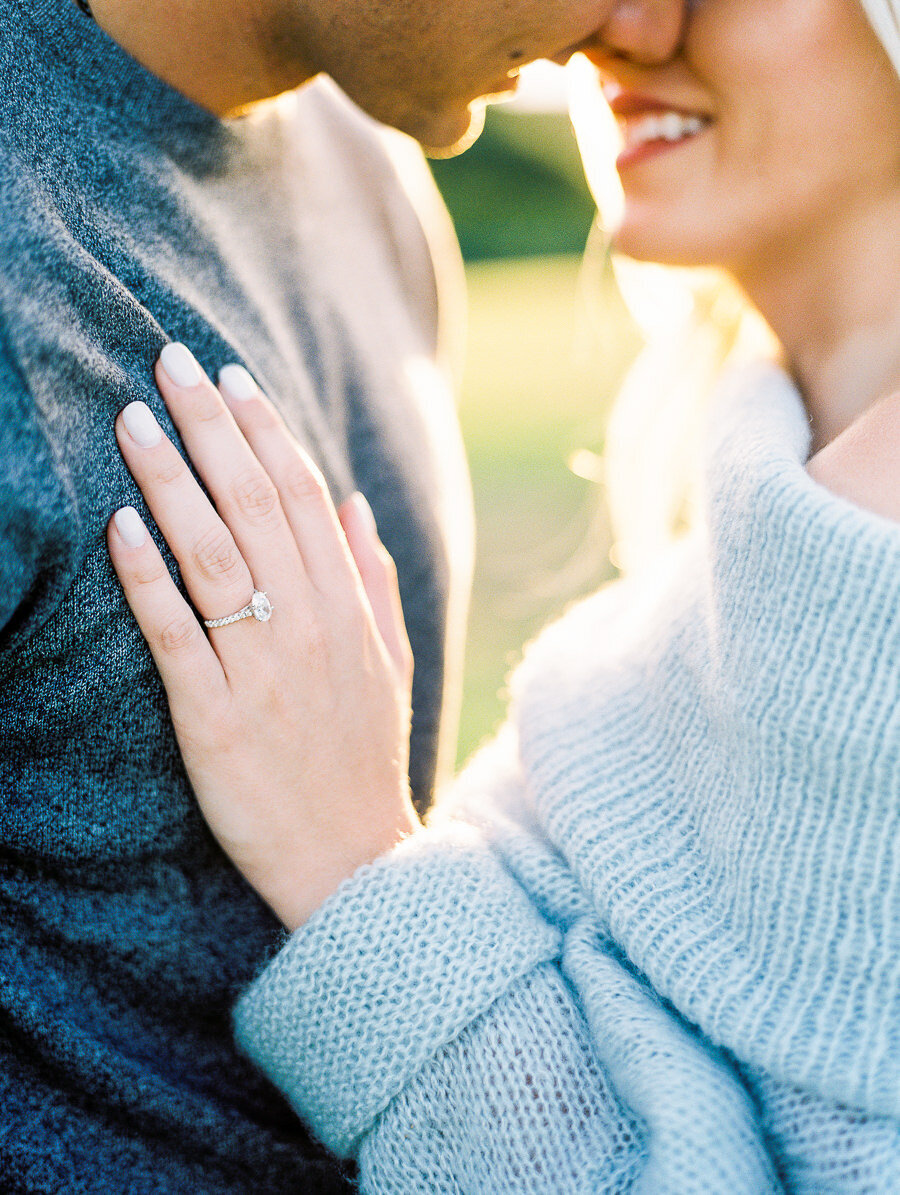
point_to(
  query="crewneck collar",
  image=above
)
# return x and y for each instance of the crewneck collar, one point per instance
(104, 79)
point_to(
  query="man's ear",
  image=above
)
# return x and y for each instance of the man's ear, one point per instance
(862, 464)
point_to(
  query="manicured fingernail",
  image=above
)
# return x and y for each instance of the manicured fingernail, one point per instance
(365, 513)
(181, 365)
(238, 382)
(141, 424)
(130, 526)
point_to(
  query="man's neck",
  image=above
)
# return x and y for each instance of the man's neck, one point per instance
(218, 53)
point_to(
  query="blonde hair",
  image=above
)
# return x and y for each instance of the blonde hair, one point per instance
(696, 324)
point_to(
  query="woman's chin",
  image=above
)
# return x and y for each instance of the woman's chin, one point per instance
(664, 240)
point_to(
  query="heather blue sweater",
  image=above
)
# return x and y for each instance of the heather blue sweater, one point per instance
(652, 942)
(287, 241)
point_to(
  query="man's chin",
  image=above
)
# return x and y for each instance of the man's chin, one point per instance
(446, 134)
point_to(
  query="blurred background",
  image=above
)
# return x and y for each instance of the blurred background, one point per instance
(549, 342)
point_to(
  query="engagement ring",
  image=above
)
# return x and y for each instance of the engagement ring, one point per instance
(259, 607)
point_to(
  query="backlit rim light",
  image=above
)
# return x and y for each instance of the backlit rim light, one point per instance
(884, 16)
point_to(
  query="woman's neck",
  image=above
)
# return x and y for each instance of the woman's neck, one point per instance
(834, 303)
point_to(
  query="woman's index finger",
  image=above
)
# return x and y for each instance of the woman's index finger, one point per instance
(189, 667)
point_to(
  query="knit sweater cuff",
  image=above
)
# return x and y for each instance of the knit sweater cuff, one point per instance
(408, 952)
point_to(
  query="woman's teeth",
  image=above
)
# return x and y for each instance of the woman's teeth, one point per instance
(663, 126)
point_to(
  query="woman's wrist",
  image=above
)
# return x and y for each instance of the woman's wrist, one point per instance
(296, 887)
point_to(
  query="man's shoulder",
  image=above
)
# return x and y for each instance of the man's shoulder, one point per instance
(23, 194)
(37, 243)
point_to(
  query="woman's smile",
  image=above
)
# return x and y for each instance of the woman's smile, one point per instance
(650, 126)
(772, 131)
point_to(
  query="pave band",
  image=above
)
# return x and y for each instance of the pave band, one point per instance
(259, 607)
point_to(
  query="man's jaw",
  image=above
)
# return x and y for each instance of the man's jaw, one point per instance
(443, 132)
(447, 132)
(451, 141)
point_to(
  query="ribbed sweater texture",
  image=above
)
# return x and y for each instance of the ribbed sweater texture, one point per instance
(287, 241)
(650, 940)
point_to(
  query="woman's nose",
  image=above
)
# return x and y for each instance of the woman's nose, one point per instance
(644, 31)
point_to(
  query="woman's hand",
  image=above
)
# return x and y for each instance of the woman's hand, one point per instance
(295, 730)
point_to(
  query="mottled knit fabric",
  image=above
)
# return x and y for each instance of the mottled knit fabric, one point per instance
(288, 241)
(651, 941)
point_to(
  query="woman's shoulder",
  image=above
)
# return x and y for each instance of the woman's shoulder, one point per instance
(777, 567)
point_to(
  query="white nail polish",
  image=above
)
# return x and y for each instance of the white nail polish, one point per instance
(181, 365)
(130, 526)
(141, 424)
(237, 382)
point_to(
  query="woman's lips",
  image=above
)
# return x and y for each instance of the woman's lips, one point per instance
(651, 126)
(655, 133)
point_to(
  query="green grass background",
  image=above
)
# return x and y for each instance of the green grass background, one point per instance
(536, 391)
(548, 345)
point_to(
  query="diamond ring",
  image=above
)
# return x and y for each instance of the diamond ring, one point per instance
(259, 607)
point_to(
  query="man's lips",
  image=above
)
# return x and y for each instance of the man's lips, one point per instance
(562, 58)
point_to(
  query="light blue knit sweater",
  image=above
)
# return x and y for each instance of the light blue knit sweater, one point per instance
(651, 941)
